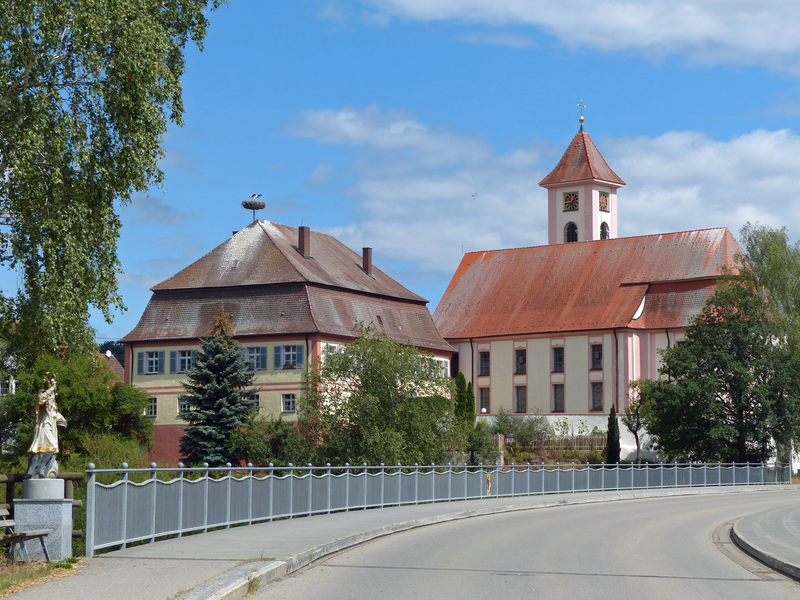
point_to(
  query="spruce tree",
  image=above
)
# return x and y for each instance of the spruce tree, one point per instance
(612, 444)
(218, 396)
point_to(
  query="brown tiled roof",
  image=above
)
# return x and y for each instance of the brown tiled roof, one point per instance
(281, 309)
(114, 365)
(582, 160)
(267, 254)
(581, 286)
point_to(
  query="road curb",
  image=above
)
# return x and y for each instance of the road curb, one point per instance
(751, 547)
(234, 584)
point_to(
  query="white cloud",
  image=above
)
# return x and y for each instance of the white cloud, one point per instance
(418, 213)
(504, 39)
(707, 31)
(685, 180)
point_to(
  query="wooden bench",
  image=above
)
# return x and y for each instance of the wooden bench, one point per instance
(11, 538)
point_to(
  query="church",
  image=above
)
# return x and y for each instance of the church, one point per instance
(564, 329)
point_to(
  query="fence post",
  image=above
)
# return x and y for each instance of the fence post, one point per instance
(383, 486)
(249, 493)
(155, 489)
(347, 486)
(310, 488)
(124, 504)
(399, 485)
(603, 478)
(328, 474)
(271, 476)
(416, 483)
(228, 497)
(558, 478)
(748, 472)
(365, 486)
(180, 499)
(449, 483)
(205, 498)
(90, 510)
(291, 490)
(480, 484)
(573, 477)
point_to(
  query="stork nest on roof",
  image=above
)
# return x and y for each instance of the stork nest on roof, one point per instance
(253, 204)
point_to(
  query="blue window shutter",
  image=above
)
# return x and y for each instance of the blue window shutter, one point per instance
(173, 361)
(194, 359)
(160, 361)
(262, 352)
(299, 357)
(140, 363)
(278, 357)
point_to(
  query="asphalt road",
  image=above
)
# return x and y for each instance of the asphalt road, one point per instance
(654, 548)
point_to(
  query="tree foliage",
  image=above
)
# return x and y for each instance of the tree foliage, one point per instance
(88, 89)
(91, 398)
(772, 263)
(377, 401)
(464, 401)
(525, 429)
(612, 440)
(264, 440)
(218, 396)
(731, 390)
(634, 418)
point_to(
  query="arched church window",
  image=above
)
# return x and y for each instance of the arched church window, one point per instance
(571, 233)
(603, 231)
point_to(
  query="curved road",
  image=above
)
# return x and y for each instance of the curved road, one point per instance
(654, 548)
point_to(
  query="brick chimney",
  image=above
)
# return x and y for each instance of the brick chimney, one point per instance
(304, 241)
(367, 261)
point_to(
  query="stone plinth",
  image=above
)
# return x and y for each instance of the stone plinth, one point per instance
(56, 514)
(43, 489)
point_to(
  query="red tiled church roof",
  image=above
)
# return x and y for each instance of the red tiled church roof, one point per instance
(581, 161)
(584, 286)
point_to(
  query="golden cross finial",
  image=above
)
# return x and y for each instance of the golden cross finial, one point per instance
(581, 105)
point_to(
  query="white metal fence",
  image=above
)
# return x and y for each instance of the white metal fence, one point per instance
(145, 504)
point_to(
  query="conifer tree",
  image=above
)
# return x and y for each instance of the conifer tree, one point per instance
(612, 443)
(464, 405)
(218, 396)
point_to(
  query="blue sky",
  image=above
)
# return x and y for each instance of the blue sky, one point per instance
(377, 121)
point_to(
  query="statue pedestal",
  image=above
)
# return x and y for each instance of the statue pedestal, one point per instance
(43, 506)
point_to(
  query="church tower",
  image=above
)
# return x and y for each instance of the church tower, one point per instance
(581, 194)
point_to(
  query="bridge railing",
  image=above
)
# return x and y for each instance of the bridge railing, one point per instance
(146, 504)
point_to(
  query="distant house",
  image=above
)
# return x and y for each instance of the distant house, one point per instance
(563, 329)
(290, 293)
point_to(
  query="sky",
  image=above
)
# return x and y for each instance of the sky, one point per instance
(421, 128)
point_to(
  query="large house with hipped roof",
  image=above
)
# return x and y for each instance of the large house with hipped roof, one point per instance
(291, 294)
(563, 329)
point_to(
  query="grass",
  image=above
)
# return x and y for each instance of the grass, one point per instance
(15, 577)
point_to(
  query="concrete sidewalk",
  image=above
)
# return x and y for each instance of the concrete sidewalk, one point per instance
(218, 565)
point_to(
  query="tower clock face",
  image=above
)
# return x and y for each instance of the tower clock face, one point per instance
(571, 201)
(604, 201)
